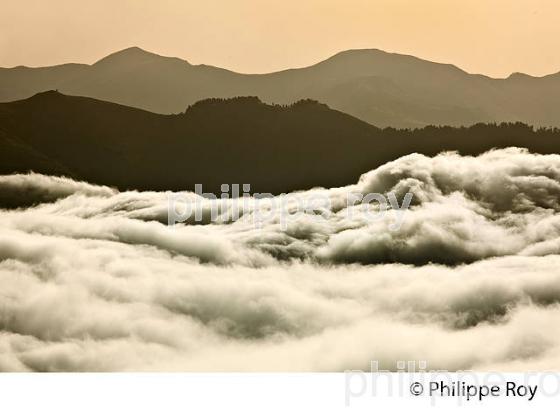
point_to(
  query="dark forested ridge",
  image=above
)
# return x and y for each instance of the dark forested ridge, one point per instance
(240, 140)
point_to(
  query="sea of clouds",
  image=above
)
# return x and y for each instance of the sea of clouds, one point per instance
(93, 279)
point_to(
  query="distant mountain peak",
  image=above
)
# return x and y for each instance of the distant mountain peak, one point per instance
(133, 55)
(47, 95)
(361, 52)
(134, 49)
(364, 59)
(357, 54)
(519, 76)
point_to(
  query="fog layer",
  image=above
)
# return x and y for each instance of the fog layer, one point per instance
(94, 279)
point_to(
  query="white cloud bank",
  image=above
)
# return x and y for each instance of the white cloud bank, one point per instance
(92, 280)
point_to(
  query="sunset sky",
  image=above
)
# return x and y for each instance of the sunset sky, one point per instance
(493, 37)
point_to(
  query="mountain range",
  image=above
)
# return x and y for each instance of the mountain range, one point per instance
(215, 141)
(380, 88)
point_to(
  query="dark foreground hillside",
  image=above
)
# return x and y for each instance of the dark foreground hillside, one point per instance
(242, 140)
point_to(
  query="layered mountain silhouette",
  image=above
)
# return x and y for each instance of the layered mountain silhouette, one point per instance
(381, 88)
(241, 140)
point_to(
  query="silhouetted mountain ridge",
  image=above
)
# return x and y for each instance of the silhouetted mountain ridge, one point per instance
(241, 140)
(384, 89)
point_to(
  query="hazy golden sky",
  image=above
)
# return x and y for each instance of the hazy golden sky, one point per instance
(494, 37)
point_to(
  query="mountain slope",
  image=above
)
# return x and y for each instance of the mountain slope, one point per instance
(215, 142)
(242, 140)
(381, 88)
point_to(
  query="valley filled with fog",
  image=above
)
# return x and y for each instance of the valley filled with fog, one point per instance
(93, 279)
